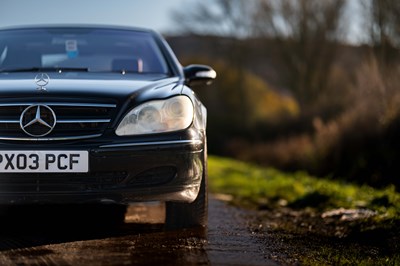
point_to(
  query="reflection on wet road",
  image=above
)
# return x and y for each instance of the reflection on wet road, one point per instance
(52, 237)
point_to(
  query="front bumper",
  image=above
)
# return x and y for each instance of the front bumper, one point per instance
(118, 173)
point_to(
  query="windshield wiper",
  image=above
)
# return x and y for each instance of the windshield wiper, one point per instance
(122, 71)
(48, 69)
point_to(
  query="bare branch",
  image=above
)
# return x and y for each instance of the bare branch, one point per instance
(230, 18)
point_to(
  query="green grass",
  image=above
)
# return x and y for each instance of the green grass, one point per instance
(255, 186)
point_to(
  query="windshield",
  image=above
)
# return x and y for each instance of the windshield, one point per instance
(97, 50)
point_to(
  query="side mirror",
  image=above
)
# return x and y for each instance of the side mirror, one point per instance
(199, 75)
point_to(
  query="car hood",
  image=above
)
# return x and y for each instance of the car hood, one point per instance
(91, 86)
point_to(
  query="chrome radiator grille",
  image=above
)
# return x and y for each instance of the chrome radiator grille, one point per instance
(73, 120)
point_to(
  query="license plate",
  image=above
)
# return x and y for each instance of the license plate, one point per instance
(44, 161)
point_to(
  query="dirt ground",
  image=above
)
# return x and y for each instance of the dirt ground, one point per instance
(54, 236)
(308, 237)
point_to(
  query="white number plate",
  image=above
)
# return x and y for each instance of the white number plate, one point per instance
(44, 161)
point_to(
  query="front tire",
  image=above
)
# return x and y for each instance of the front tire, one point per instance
(186, 215)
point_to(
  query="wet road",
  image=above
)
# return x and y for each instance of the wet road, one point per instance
(27, 237)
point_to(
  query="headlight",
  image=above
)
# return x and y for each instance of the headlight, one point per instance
(158, 116)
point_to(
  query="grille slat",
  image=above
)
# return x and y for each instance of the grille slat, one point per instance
(74, 120)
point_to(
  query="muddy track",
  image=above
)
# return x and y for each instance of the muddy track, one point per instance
(27, 237)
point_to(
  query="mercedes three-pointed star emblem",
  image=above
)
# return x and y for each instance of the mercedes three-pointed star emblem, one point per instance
(37, 120)
(42, 79)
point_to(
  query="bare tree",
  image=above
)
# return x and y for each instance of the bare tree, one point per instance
(384, 25)
(307, 33)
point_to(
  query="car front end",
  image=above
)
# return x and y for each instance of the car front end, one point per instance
(97, 114)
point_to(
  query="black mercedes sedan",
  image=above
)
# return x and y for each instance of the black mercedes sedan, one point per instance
(101, 114)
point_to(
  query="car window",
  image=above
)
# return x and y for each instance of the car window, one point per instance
(92, 49)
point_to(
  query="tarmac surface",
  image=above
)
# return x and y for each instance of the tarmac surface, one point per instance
(93, 236)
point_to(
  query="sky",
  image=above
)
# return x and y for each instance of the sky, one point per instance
(154, 14)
